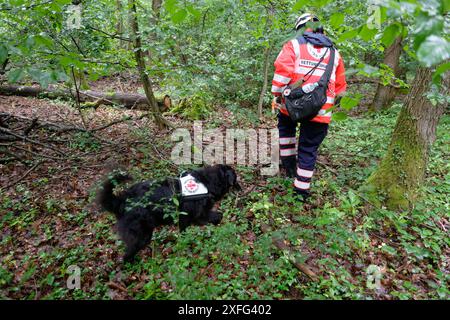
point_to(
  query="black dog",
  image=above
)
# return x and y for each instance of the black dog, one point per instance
(148, 204)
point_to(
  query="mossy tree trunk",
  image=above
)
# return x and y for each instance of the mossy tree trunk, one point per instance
(402, 170)
(386, 94)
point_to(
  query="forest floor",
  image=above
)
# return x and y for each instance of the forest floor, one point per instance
(49, 220)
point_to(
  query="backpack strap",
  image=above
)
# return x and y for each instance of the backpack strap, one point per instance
(315, 67)
(301, 40)
(301, 80)
(326, 75)
(329, 69)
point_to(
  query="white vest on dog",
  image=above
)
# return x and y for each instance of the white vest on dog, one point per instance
(191, 187)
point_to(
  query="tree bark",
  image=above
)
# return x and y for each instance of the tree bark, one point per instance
(402, 170)
(139, 56)
(154, 20)
(265, 75)
(4, 65)
(128, 100)
(156, 7)
(119, 25)
(270, 13)
(386, 94)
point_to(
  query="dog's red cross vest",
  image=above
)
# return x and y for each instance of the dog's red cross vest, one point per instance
(294, 62)
(191, 188)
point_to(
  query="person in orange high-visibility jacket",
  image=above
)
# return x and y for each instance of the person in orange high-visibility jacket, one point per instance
(295, 60)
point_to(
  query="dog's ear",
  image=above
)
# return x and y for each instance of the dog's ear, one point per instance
(226, 172)
(231, 178)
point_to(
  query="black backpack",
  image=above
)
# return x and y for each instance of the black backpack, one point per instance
(305, 106)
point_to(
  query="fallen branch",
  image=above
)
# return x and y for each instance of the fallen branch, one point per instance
(278, 243)
(241, 195)
(40, 123)
(20, 137)
(327, 167)
(7, 138)
(6, 160)
(33, 124)
(37, 154)
(117, 286)
(23, 176)
(118, 121)
(62, 128)
(11, 155)
(113, 36)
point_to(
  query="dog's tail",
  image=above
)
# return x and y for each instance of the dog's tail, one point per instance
(106, 197)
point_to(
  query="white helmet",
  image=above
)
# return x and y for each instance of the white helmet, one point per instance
(304, 18)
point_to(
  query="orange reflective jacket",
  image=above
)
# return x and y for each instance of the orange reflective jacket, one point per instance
(294, 62)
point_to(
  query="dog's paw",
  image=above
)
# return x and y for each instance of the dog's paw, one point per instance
(128, 259)
(215, 217)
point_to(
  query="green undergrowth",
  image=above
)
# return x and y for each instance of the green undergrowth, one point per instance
(356, 250)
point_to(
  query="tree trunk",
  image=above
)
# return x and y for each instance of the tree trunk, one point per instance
(402, 170)
(268, 24)
(264, 87)
(119, 25)
(4, 65)
(139, 56)
(154, 20)
(386, 94)
(156, 7)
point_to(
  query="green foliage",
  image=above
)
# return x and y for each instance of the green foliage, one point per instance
(348, 102)
(339, 116)
(209, 55)
(433, 50)
(390, 33)
(367, 33)
(84, 141)
(3, 53)
(348, 241)
(212, 47)
(337, 19)
(196, 107)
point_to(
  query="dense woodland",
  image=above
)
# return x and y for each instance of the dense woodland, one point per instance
(88, 86)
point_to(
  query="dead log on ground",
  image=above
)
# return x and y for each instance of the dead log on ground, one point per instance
(92, 98)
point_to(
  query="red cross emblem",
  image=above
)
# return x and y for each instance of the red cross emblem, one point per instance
(191, 185)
